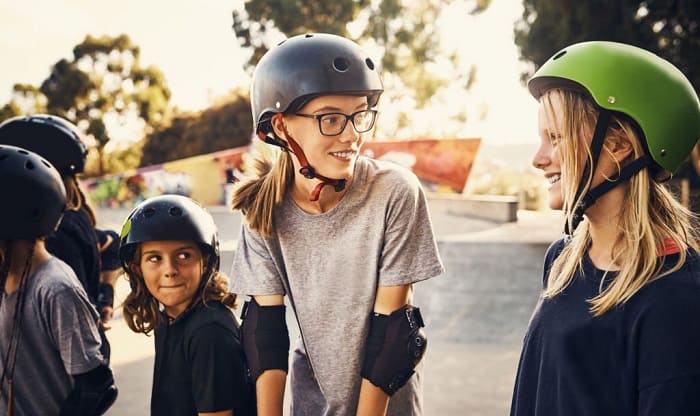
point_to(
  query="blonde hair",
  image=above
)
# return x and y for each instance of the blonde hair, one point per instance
(142, 310)
(257, 196)
(77, 200)
(649, 215)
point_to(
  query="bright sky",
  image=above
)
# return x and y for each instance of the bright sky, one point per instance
(193, 44)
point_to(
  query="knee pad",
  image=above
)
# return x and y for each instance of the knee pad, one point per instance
(395, 345)
(265, 338)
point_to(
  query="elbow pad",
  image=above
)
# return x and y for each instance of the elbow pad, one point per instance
(395, 345)
(93, 393)
(265, 338)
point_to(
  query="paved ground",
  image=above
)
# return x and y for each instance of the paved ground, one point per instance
(476, 314)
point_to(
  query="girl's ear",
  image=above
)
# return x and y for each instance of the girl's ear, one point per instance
(620, 147)
(135, 269)
(278, 126)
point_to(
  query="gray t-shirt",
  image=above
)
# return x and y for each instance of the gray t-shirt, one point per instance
(329, 265)
(59, 337)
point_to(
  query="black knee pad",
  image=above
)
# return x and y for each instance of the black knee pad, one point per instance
(265, 338)
(395, 345)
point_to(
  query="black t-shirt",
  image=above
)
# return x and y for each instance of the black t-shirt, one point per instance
(641, 359)
(75, 242)
(199, 365)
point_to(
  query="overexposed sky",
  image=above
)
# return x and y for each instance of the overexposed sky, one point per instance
(193, 44)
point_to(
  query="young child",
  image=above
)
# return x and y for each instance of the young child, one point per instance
(49, 343)
(616, 330)
(170, 252)
(74, 242)
(342, 237)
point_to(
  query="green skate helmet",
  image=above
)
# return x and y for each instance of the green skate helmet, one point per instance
(635, 82)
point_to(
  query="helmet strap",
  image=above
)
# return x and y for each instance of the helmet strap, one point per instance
(601, 189)
(306, 169)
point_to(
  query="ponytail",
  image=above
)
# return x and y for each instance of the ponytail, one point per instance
(257, 197)
(77, 201)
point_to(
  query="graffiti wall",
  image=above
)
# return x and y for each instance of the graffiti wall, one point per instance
(441, 165)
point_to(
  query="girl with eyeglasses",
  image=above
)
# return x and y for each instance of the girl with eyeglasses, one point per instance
(341, 236)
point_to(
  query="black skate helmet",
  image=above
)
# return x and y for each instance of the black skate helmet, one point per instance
(36, 197)
(170, 217)
(55, 139)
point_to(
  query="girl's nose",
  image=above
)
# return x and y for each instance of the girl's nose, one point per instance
(541, 158)
(170, 268)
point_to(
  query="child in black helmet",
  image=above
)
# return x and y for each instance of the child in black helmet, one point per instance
(75, 242)
(49, 344)
(170, 252)
(341, 236)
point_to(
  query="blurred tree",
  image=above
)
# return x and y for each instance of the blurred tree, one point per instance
(25, 99)
(103, 87)
(669, 28)
(225, 125)
(406, 31)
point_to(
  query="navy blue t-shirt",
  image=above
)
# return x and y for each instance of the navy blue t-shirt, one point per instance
(641, 358)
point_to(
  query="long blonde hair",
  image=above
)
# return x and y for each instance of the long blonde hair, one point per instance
(257, 196)
(649, 215)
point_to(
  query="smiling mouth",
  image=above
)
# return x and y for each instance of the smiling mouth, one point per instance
(346, 155)
(553, 179)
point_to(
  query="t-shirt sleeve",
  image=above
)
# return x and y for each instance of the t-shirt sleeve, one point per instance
(253, 271)
(668, 357)
(72, 322)
(218, 373)
(409, 253)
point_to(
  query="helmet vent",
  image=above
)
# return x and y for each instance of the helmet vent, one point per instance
(24, 152)
(3, 157)
(29, 165)
(149, 212)
(369, 63)
(309, 35)
(45, 163)
(559, 55)
(175, 211)
(341, 64)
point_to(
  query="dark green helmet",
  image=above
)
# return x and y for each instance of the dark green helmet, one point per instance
(630, 80)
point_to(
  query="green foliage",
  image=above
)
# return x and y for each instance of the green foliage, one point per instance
(223, 126)
(669, 28)
(404, 30)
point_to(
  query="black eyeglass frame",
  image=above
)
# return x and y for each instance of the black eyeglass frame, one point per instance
(350, 117)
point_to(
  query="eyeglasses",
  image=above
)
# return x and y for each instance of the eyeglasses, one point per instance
(332, 124)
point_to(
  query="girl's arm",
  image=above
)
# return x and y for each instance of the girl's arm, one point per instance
(270, 385)
(221, 413)
(373, 401)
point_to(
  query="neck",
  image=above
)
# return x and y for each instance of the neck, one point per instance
(329, 198)
(20, 253)
(604, 219)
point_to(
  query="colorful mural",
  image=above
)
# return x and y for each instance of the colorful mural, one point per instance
(441, 165)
